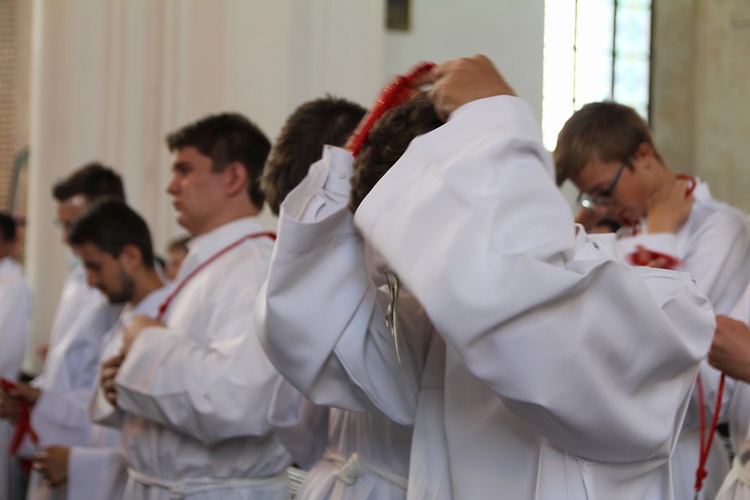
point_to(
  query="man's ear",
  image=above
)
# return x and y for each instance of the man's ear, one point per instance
(237, 178)
(643, 157)
(645, 150)
(131, 257)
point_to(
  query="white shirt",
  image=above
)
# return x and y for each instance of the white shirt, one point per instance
(15, 307)
(557, 372)
(60, 414)
(95, 469)
(198, 390)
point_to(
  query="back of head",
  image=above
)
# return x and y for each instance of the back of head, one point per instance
(604, 131)
(92, 180)
(7, 228)
(387, 142)
(314, 124)
(227, 138)
(109, 224)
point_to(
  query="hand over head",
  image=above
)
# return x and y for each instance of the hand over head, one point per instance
(461, 81)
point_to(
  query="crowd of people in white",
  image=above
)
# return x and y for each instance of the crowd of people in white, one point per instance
(429, 321)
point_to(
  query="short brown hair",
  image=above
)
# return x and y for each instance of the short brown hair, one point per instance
(387, 142)
(92, 180)
(226, 138)
(327, 120)
(606, 131)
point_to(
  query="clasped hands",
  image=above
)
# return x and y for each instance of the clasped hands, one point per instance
(111, 366)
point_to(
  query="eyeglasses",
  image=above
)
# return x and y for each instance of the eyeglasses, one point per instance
(605, 198)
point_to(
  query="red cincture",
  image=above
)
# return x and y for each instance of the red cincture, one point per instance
(394, 94)
(165, 305)
(705, 445)
(23, 425)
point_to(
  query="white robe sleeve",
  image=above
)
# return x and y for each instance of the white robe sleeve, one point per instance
(300, 425)
(14, 317)
(596, 356)
(211, 392)
(60, 415)
(717, 255)
(321, 317)
(101, 411)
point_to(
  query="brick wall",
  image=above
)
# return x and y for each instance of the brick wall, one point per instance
(7, 79)
(15, 73)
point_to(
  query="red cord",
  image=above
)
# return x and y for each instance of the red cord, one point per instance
(396, 92)
(23, 424)
(163, 307)
(692, 183)
(705, 444)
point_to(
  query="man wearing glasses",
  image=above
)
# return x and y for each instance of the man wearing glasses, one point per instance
(59, 396)
(668, 220)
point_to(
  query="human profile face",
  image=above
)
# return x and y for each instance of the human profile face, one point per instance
(618, 183)
(66, 212)
(107, 273)
(198, 192)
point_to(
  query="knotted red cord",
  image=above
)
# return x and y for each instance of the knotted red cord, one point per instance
(705, 445)
(23, 424)
(396, 92)
(643, 257)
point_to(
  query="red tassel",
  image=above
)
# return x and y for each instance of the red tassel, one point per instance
(396, 92)
(23, 424)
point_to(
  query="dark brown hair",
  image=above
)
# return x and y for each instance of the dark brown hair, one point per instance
(93, 180)
(323, 121)
(226, 138)
(604, 131)
(387, 142)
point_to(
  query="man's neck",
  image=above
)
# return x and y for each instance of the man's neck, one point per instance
(144, 285)
(228, 216)
(663, 175)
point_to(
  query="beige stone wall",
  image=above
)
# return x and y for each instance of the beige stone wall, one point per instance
(701, 92)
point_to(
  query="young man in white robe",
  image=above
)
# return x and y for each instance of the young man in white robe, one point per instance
(607, 151)
(15, 308)
(114, 245)
(350, 455)
(195, 385)
(59, 396)
(533, 365)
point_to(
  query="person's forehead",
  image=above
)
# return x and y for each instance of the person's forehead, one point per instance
(596, 175)
(189, 154)
(74, 205)
(89, 251)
